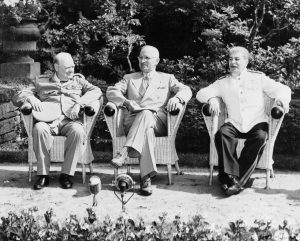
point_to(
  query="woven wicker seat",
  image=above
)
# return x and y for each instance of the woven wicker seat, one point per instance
(213, 123)
(57, 150)
(165, 151)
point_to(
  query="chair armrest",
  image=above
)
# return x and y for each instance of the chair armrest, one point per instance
(110, 114)
(211, 121)
(110, 109)
(174, 118)
(91, 112)
(205, 110)
(26, 109)
(26, 115)
(277, 112)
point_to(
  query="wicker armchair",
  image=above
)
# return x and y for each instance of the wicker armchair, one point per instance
(57, 151)
(213, 123)
(165, 151)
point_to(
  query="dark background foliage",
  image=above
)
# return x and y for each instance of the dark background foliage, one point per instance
(104, 37)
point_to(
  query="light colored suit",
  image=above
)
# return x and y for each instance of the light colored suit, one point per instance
(142, 127)
(48, 88)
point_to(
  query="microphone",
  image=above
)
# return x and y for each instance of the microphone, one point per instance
(94, 187)
(123, 183)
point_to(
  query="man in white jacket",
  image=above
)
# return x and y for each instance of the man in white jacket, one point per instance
(242, 91)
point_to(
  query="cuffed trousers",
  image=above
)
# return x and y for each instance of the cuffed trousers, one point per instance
(43, 140)
(141, 129)
(226, 141)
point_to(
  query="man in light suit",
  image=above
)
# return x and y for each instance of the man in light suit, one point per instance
(242, 91)
(70, 92)
(147, 95)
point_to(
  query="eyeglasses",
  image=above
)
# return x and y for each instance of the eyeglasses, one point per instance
(146, 58)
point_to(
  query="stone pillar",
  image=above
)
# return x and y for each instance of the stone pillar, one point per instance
(18, 43)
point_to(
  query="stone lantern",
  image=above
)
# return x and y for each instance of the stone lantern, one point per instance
(19, 42)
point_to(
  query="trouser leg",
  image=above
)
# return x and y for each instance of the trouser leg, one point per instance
(147, 160)
(226, 141)
(74, 148)
(251, 153)
(42, 143)
(142, 129)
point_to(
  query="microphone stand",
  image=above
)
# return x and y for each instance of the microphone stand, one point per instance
(122, 198)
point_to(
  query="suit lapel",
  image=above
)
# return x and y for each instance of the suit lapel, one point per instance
(154, 82)
(137, 82)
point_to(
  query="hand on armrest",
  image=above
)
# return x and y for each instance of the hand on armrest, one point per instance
(177, 110)
(26, 109)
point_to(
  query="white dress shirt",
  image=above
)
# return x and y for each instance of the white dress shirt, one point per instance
(244, 97)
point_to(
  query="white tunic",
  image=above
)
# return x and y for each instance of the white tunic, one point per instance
(244, 97)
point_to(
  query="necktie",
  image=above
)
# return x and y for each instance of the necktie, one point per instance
(144, 85)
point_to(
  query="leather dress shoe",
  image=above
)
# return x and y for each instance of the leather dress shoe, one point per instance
(146, 189)
(65, 181)
(118, 161)
(42, 181)
(234, 189)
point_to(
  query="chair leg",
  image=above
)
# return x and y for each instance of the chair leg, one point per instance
(30, 170)
(178, 168)
(128, 170)
(268, 179)
(115, 173)
(272, 174)
(91, 169)
(211, 173)
(83, 173)
(169, 167)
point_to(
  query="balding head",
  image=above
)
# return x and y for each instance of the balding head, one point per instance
(148, 58)
(64, 66)
(154, 51)
(61, 57)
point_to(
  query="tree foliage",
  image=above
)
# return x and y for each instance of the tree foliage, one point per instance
(193, 36)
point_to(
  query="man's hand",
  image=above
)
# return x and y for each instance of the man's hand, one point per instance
(214, 106)
(283, 104)
(75, 111)
(36, 104)
(132, 106)
(173, 104)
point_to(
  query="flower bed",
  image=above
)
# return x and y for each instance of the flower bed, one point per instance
(29, 226)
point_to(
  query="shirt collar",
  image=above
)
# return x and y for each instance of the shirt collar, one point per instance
(150, 75)
(57, 80)
(242, 75)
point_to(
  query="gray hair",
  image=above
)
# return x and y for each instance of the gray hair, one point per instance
(239, 49)
(152, 49)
